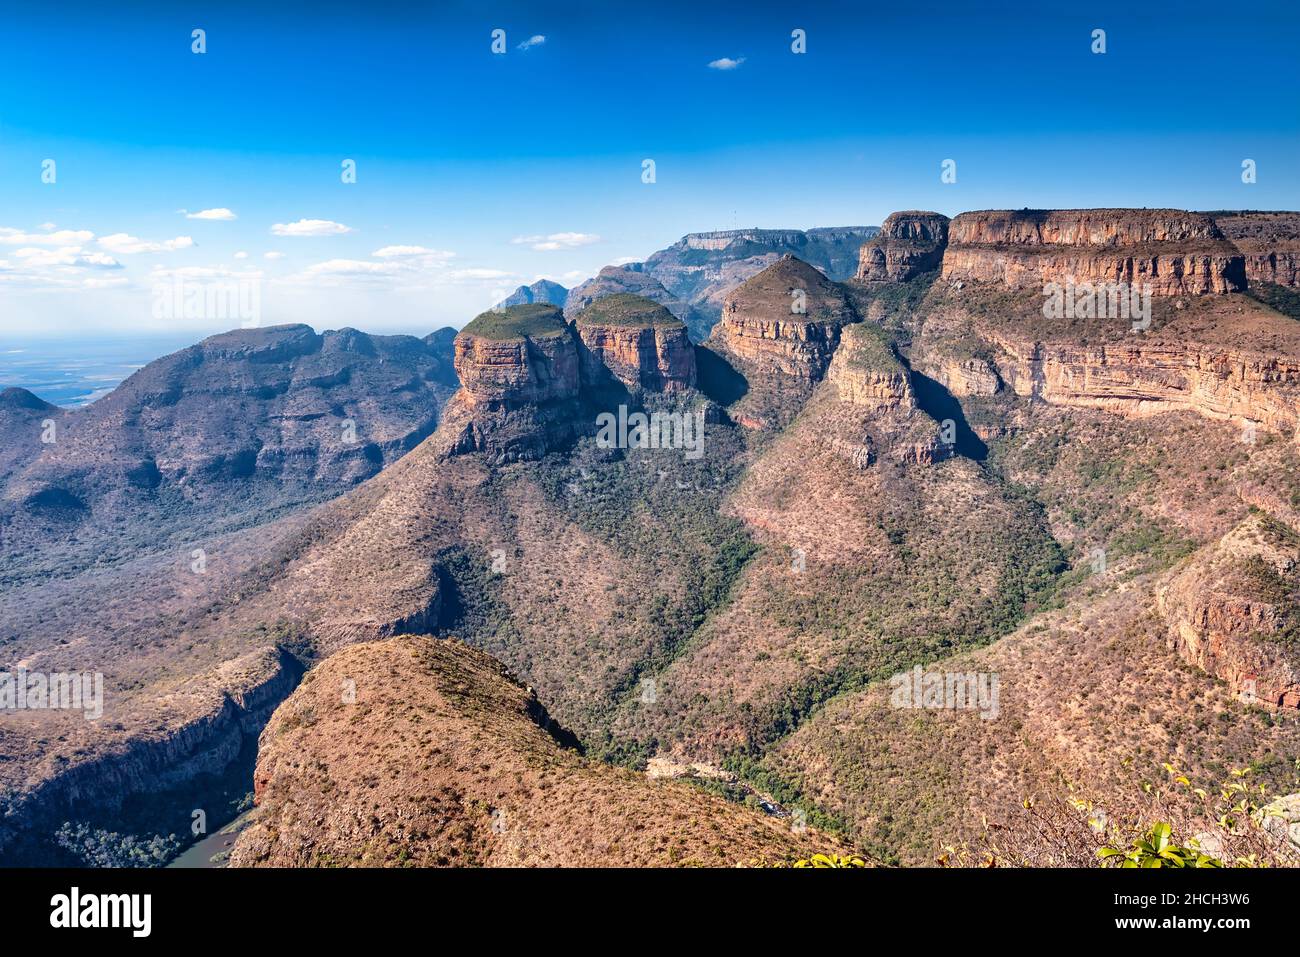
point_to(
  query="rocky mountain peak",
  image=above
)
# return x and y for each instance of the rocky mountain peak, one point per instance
(543, 291)
(909, 243)
(638, 341)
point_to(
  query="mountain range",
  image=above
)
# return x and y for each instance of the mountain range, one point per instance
(487, 633)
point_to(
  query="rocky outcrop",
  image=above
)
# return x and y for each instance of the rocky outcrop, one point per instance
(543, 291)
(522, 354)
(966, 377)
(636, 341)
(785, 321)
(908, 244)
(867, 375)
(1270, 242)
(702, 268)
(1233, 612)
(627, 280)
(520, 378)
(1149, 376)
(1173, 251)
(865, 372)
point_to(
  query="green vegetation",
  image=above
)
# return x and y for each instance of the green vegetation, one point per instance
(534, 320)
(627, 309)
(869, 347)
(1155, 849)
(1281, 298)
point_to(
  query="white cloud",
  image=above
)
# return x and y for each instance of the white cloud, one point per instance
(241, 255)
(554, 241)
(533, 41)
(273, 254)
(125, 245)
(726, 63)
(34, 257)
(165, 274)
(63, 237)
(624, 260)
(310, 227)
(404, 252)
(352, 267)
(220, 213)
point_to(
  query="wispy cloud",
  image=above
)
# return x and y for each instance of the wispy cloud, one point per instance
(310, 227)
(554, 241)
(534, 41)
(220, 213)
(127, 245)
(62, 237)
(726, 63)
(406, 252)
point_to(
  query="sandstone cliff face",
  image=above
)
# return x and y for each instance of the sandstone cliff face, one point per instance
(785, 321)
(1175, 252)
(1270, 242)
(909, 243)
(527, 368)
(1144, 377)
(527, 375)
(519, 370)
(225, 708)
(638, 342)
(867, 375)
(1233, 612)
(966, 377)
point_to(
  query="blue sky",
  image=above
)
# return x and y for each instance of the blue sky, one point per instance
(478, 171)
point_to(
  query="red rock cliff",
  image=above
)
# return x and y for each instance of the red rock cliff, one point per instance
(909, 243)
(1176, 252)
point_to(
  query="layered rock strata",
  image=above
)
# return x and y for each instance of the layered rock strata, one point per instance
(1173, 251)
(908, 244)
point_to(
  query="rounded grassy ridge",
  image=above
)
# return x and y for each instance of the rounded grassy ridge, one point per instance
(627, 309)
(533, 320)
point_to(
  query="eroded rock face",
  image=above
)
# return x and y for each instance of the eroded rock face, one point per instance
(520, 379)
(516, 362)
(909, 243)
(1233, 613)
(868, 376)
(637, 341)
(785, 321)
(1270, 242)
(865, 372)
(1149, 377)
(1175, 252)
